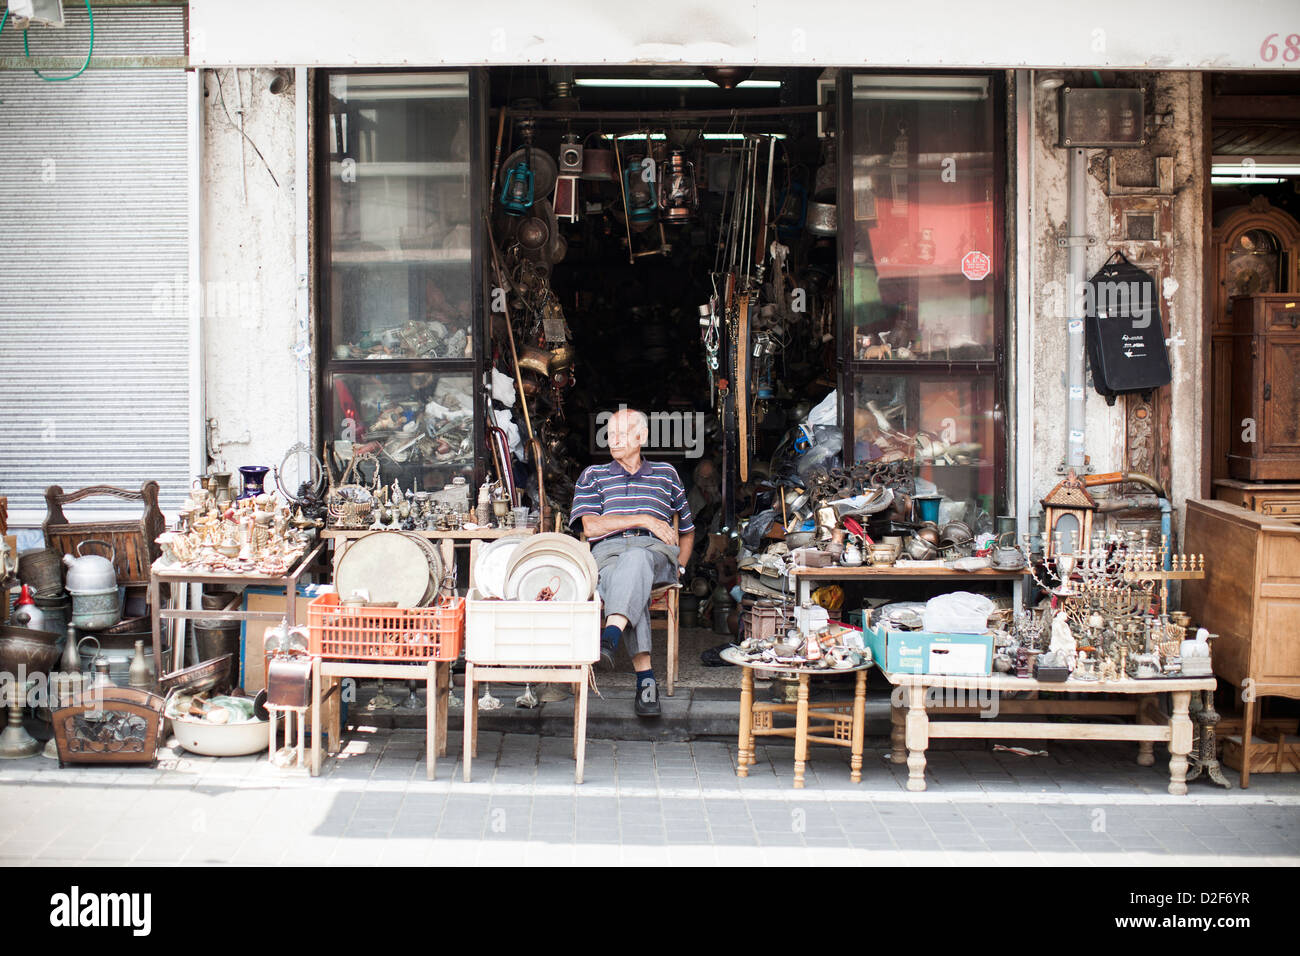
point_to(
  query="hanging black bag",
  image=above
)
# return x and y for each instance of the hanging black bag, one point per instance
(1126, 338)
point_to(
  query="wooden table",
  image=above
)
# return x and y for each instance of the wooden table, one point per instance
(912, 733)
(808, 577)
(173, 574)
(843, 720)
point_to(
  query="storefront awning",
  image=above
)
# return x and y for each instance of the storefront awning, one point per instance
(1102, 34)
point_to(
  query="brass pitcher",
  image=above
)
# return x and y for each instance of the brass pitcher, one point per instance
(219, 488)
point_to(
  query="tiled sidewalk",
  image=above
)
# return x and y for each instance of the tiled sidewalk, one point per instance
(642, 802)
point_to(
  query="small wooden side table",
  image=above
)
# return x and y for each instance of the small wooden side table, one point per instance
(844, 721)
(578, 674)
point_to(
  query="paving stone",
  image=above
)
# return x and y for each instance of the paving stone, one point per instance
(644, 802)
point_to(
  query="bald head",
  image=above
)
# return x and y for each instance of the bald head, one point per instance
(627, 431)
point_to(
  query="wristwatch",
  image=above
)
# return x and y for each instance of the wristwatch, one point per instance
(681, 569)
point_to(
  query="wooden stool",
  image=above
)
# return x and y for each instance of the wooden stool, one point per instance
(579, 674)
(437, 677)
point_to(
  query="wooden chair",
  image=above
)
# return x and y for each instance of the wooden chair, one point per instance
(665, 600)
(133, 540)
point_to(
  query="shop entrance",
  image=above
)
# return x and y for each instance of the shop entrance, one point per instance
(671, 196)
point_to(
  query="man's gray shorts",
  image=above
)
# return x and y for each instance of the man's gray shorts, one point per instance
(630, 568)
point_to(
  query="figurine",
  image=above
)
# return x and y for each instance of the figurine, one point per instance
(1063, 641)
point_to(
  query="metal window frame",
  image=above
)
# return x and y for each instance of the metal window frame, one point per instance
(326, 366)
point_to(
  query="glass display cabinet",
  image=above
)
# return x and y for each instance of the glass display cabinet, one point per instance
(921, 243)
(400, 268)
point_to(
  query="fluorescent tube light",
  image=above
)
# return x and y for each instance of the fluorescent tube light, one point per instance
(1246, 170)
(612, 83)
(1245, 180)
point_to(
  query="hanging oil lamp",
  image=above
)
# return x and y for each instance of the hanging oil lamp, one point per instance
(517, 190)
(641, 204)
(678, 197)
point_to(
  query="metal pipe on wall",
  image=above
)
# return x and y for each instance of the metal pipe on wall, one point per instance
(1022, 326)
(1076, 264)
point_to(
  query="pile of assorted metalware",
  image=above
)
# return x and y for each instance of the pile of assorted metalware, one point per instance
(255, 535)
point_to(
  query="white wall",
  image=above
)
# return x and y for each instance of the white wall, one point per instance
(1179, 94)
(252, 376)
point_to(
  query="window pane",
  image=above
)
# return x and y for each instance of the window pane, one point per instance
(420, 424)
(923, 218)
(400, 216)
(944, 423)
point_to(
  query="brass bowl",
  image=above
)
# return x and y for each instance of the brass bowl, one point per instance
(33, 652)
(202, 676)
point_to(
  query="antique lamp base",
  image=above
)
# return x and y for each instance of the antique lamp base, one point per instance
(16, 742)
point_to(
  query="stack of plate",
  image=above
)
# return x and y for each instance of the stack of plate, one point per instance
(524, 567)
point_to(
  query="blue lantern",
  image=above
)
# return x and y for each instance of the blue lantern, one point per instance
(517, 190)
(640, 190)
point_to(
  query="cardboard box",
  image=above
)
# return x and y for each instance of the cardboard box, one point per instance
(927, 652)
(252, 656)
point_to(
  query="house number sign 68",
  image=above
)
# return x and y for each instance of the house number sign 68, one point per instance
(1290, 52)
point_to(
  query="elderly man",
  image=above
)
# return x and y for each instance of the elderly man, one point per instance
(626, 509)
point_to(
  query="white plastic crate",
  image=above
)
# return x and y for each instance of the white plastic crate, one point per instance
(531, 632)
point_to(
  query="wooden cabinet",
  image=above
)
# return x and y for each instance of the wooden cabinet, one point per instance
(1256, 249)
(1273, 500)
(1250, 597)
(1265, 437)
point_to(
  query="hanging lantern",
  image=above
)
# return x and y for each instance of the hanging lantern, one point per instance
(641, 204)
(1068, 510)
(517, 190)
(677, 193)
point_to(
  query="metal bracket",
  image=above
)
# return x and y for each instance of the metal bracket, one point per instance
(1064, 469)
(1065, 241)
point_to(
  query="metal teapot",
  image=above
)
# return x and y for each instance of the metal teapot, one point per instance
(1007, 557)
(92, 582)
(90, 572)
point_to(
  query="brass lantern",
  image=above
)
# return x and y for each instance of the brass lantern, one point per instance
(1068, 511)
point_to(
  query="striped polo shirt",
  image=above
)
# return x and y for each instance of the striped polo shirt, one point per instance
(654, 488)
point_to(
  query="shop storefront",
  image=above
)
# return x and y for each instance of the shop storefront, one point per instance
(854, 290)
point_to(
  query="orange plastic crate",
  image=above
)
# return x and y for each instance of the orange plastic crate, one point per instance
(387, 633)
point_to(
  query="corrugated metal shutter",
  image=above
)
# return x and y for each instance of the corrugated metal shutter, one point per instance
(94, 267)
